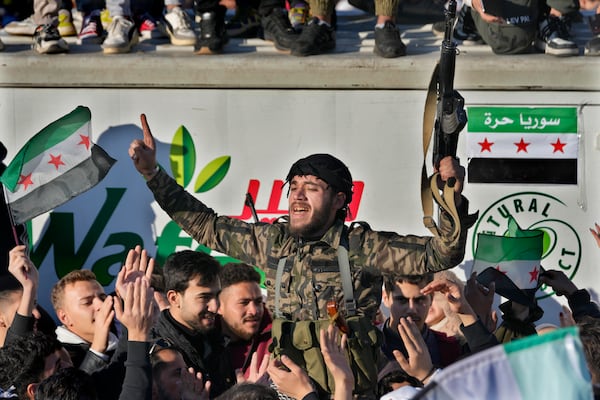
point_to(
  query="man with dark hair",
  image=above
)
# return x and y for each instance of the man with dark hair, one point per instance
(28, 360)
(402, 295)
(67, 384)
(243, 318)
(311, 258)
(192, 287)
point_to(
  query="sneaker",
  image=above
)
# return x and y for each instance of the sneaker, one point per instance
(553, 37)
(149, 28)
(47, 40)
(213, 35)
(465, 29)
(179, 27)
(65, 23)
(299, 15)
(245, 23)
(122, 36)
(592, 47)
(316, 38)
(278, 29)
(92, 31)
(25, 27)
(388, 43)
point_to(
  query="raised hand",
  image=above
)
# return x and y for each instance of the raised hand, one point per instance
(143, 152)
(22, 268)
(192, 387)
(20, 265)
(137, 309)
(137, 265)
(559, 282)
(418, 364)
(450, 168)
(255, 371)
(481, 300)
(293, 381)
(103, 319)
(333, 349)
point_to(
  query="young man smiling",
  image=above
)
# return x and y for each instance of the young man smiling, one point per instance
(301, 255)
(192, 286)
(243, 318)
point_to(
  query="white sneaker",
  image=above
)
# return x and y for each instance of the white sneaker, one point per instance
(23, 28)
(122, 36)
(179, 27)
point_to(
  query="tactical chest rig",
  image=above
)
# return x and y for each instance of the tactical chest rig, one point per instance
(299, 340)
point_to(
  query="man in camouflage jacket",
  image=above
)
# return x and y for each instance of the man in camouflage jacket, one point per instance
(320, 191)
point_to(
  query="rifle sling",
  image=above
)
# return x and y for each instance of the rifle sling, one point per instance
(429, 188)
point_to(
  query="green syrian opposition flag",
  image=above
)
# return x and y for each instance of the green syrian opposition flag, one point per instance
(516, 257)
(57, 164)
(549, 366)
(522, 144)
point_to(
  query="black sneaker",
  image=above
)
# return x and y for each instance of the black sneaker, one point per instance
(387, 41)
(47, 40)
(316, 38)
(244, 24)
(592, 47)
(554, 38)
(465, 29)
(213, 35)
(278, 29)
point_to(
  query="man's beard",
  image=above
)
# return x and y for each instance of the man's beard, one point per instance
(315, 226)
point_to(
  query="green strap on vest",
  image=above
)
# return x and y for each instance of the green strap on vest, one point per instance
(343, 263)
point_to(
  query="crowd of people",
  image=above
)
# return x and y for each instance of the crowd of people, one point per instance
(300, 27)
(193, 329)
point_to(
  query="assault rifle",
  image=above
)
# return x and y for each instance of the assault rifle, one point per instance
(451, 116)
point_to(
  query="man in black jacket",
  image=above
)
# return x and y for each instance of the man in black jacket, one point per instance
(192, 286)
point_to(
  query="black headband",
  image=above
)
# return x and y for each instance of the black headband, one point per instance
(325, 167)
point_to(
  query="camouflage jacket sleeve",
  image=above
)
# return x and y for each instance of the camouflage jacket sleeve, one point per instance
(411, 254)
(247, 242)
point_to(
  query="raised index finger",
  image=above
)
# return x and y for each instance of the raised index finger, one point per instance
(148, 138)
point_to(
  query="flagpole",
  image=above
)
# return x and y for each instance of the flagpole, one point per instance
(10, 217)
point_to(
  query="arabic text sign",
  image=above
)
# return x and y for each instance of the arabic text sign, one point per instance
(523, 119)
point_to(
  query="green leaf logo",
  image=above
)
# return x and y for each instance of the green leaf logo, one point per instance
(212, 174)
(183, 156)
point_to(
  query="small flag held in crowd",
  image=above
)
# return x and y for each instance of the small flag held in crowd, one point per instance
(549, 366)
(512, 261)
(523, 144)
(57, 164)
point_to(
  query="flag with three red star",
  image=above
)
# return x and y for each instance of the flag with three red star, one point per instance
(523, 144)
(57, 164)
(512, 260)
